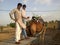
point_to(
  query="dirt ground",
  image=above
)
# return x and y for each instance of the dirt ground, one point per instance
(7, 34)
(52, 37)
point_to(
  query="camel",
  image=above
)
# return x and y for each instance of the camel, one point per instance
(36, 27)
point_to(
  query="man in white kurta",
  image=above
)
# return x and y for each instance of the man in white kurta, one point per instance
(18, 20)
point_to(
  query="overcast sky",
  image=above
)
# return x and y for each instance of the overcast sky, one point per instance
(48, 9)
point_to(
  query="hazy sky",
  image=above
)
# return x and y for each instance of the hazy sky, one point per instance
(48, 9)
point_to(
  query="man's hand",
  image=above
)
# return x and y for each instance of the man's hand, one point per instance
(13, 19)
(28, 17)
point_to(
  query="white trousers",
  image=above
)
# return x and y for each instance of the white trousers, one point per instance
(18, 32)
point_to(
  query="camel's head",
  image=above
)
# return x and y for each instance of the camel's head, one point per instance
(35, 18)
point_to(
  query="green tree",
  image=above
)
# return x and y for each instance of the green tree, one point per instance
(12, 25)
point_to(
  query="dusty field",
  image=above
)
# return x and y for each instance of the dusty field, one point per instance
(52, 37)
(7, 34)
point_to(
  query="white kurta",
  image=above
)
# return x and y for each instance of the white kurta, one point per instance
(18, 16)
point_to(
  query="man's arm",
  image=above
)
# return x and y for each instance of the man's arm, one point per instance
(24, 14)
(11, 14)
(25, 17)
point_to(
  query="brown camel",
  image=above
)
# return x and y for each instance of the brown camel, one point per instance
(36, 27)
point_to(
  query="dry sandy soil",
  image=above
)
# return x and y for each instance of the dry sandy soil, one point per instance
(7, 34)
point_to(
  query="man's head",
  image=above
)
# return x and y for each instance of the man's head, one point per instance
(24, 6)
(19, 5)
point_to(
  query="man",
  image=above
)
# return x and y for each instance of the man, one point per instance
(18, 20)
(24, 13)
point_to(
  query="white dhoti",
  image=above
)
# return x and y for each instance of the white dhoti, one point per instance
(18, 32)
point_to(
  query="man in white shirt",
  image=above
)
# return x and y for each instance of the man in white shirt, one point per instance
(18, 20)
(24, 13)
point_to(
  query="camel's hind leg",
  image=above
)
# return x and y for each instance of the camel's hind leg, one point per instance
(44, 31)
